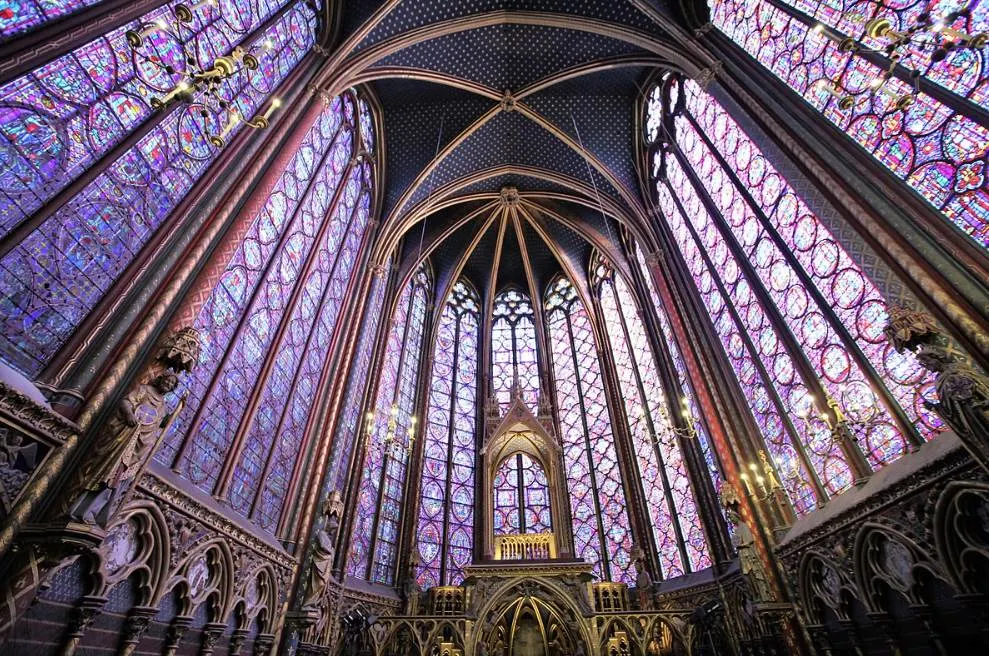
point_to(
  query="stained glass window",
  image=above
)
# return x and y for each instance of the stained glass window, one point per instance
(275, 440)
(513, 350)
(446, 511)
(349, 423)
(60, 120)
(939, 147)
(20, 16)
(521, 497)
(688, 401)
(787, 301)
(268, 326)
(390, 426)
(676, 523)
(601, 530)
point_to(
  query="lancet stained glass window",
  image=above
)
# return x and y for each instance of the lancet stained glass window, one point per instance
(269, 323)
(391, 424)
(446, 510)
(795, 312)
(601, 530)
(350, 423)
(677, 528)
(669, 341)
(521, 497)
(60, 121)
(939, 147)
(513, 350)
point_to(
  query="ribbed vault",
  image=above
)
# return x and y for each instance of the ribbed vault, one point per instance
(481, 96)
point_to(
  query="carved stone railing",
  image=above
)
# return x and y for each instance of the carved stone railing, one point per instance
(525, 546)
(30, 432)
(447, 600)
(918, 523)
(610, 597)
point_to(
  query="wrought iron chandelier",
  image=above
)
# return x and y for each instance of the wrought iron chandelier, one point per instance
(160, 44)
(931, 32)
(391, 443)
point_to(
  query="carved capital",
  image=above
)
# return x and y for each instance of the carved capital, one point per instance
(211, 635)
(708, 75)
(84, 615)
(237, 639)
(137, 623)
(175, 633)
(263, 644)
(703, 29)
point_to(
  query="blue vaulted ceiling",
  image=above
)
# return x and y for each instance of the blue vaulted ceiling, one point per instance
(479, 95)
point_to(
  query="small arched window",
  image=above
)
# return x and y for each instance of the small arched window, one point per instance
(521, 497)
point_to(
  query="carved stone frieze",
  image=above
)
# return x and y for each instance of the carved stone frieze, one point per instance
(191, 518)
(899, 534)
(17, 408)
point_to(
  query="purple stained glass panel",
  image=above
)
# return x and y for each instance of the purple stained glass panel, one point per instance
(681, 368)
(61, 118)
(964, 72)
(222, 410)
(52, 279)
(602, 534)
(359, 560)
(446, 508)
(350, 422)
(221, 314)
(840, 281)
(373, 552)
(280, 445)
(521, 497)
(939, 153)
(667, 486)
(513, 350)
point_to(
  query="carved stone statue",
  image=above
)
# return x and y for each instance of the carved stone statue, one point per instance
(643, 580)
(125, 441)
(963, 391)
(748, 558)
(964, 396)
(324, 549)
(410, 587)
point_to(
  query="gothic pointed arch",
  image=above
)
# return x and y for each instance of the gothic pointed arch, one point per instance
(522, 479)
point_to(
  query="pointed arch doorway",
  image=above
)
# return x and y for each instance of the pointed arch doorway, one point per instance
(531, 617)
